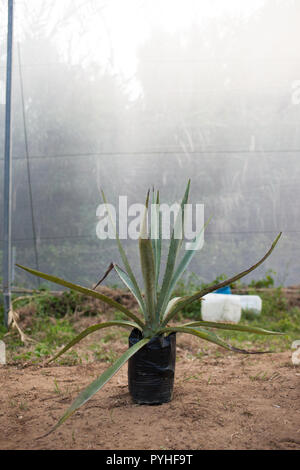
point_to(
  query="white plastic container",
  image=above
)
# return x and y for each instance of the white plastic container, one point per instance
(251, 303)
(221, 307)
(2, 353)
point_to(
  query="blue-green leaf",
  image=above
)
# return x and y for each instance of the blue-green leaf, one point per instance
(175, 244)
(208, 336)
(128, 283)
(122, 252)
(230, 326)
(186, 259)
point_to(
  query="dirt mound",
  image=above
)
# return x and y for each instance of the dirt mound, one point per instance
(122, 296)
(292, 294)
(86, 306)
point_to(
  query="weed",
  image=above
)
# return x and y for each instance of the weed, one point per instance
(196, 377)
(108, 356)
(23, 406)
(261, 376)
(56, 387)
(111, 415)
(267, 281)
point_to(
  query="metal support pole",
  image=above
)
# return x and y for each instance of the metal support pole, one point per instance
(8, 171)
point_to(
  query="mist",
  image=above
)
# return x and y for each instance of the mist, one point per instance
(129, 95)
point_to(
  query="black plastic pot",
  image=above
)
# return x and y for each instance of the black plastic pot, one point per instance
(151, 370)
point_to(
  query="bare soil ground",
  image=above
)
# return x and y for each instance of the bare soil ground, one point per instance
(221, 400)
(232, 402)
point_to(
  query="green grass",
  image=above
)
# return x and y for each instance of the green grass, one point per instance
(103, 355)
(48, 335)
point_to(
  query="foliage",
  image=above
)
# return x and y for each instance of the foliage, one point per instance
(56, 306)
(50, 329)
(157, 306)
(268, 281)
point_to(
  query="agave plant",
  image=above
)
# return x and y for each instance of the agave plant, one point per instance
(156, 304)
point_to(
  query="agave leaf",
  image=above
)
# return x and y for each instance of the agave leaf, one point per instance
(171, 304)
(158, 242)
(191, 298)
(91, 329)
(123, 255)
(110, 267)
(128, 283)
(208, 336)
(97, 384)
(186, 259)
(144, 224)
(156, 235)
(230, 326)
(175, 244)
(148, 267)
(85, 291)
(148, 271)
(153, 226)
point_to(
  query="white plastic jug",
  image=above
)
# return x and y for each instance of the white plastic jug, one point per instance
(221, 307)
(251, 303)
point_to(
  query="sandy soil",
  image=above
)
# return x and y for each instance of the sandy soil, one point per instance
(226, 402)
(221, 400)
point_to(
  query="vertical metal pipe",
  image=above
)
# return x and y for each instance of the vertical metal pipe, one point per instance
(28, 163)
(8, 170)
